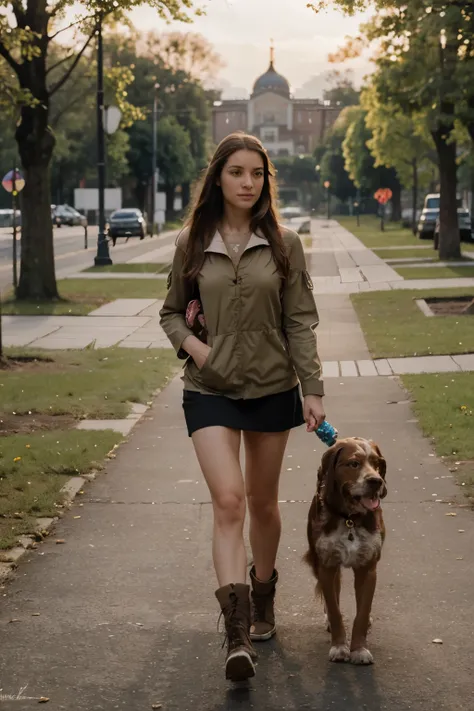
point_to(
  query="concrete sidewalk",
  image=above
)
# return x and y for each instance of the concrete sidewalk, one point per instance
(123, 615)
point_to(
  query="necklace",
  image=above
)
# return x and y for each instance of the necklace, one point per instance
(229, 239)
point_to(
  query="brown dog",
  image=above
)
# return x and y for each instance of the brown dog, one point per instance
(346, 528)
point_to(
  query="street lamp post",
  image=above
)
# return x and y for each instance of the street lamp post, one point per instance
(102, 257)
(327, 185)
(153, 161)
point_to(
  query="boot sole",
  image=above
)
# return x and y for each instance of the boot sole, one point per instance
(263, 637)
(239, 667)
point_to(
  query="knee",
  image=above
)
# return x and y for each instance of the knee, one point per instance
(262, 509)
(229, 509)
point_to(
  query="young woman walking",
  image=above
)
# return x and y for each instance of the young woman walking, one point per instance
(241, 375)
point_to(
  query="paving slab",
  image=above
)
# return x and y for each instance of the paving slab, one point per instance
(365, 257)
(465, 362)
(56, 343)
(115, 275)
(383, 366)
(380, 273)
(432, 283)
(351, 275)
(330, 369)
(348, 369)
(123, 307)
(423, 364)
(366, 368)
(122, 426)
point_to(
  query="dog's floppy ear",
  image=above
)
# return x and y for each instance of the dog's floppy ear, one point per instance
(327, 471)
(382, 463)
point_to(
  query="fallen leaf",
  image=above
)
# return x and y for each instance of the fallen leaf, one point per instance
(60, 540)
(437, 641)
(460, 558)
(157, 706)
(451, 513)
(15, 619)
(35, 614)
(77, 517)
(43, 700)
(460, 530)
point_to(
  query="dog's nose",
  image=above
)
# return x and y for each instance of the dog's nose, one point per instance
(375, 482)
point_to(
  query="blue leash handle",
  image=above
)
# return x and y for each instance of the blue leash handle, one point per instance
(327, 433)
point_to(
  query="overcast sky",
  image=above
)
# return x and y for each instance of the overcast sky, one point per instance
(241, 30)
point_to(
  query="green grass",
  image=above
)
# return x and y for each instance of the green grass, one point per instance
(81, 296)
(435, 272)
(407, 253)
(444, 405)
(94, 384)
(371, 235)
(35, 467)
(41, 400)
(145, 268)
(394, 325)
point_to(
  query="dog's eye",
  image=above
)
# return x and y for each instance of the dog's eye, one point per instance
(354, 464)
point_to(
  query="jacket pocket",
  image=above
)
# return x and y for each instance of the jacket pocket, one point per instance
(268, 360)
(219, 370)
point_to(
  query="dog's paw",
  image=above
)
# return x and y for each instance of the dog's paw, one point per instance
(361, 656)
(339, 653)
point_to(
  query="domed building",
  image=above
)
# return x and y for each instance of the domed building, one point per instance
(285, 125)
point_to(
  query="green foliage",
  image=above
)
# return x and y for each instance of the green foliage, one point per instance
(175, 160)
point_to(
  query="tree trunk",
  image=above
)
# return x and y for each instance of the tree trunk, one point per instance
(36, 143)
(396, 202)
(449, 239)
(170, 191)
(414, 196)
(185, 194)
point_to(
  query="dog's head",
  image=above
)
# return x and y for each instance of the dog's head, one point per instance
(352, 476)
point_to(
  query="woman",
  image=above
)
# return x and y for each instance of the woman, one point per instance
(242, 377)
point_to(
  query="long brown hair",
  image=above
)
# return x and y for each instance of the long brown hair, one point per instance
(208, 207)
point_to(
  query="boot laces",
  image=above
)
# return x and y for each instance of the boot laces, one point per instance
(233, 623)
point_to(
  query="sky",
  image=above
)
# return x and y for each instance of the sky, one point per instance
(241, 30)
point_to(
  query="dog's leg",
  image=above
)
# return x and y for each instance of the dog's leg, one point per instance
(365, 580)
(338, 598)
(328, 581)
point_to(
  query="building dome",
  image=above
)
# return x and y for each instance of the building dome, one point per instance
(271, 81)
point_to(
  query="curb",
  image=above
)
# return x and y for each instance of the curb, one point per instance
(10, 559)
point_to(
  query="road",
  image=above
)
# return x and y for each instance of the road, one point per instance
(70, 254)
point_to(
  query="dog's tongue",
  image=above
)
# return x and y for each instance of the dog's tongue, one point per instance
(371, 504)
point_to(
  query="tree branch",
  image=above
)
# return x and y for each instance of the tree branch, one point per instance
(80, 97)
(73, 24)
(8, 58)
(59, 62)
(68, 73)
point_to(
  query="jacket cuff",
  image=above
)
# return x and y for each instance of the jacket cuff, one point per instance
(313, 387)
(177, 339)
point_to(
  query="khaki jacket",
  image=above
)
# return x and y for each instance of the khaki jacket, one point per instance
(261, 330)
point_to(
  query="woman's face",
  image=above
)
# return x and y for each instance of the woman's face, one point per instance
(242, 179)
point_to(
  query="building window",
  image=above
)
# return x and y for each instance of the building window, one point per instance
(269, 135)
(268, 118)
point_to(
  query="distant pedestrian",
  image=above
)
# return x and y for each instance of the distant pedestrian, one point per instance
(240, 309)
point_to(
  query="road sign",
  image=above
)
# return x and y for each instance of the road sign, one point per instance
(383, 195)
(13, 181)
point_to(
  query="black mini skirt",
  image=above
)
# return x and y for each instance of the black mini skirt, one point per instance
(272, 413)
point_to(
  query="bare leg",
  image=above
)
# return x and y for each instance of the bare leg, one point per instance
(264, 455)
(328, 582)
(365, 580)
(217, 450)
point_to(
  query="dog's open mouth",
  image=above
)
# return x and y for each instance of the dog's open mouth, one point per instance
(370, 503)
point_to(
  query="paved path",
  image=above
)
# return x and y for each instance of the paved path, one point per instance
(123, 615)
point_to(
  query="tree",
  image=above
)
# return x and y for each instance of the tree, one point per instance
(360, 163)
(330, 156)
(174, 159)
(430, 45)
(343, 91)
(26, 48)
(399, 141)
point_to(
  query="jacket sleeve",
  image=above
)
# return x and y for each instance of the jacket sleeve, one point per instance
(173, 311)
(300, 319)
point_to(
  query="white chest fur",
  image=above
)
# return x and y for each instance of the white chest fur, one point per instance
(349, 547)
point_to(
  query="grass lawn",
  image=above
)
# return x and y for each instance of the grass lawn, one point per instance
(435, 272)
(81, 296)
(145, 268)
(371, 235)
(394, 325)
(407, 253)
(42, 397)
(444, 405)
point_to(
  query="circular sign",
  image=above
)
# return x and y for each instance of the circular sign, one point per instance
(383, 195)
(13, 181)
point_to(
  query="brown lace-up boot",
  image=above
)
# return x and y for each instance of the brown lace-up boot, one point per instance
(235, 605)
(263, 615)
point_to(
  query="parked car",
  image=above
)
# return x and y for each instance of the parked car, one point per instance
(67, 215)
(407, 216)
(6, 218)
(429, 215)
(465, 227)
(296, 219)
(127, 222)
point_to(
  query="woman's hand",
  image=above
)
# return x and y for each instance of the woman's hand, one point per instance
(198, 350)
(313, 411)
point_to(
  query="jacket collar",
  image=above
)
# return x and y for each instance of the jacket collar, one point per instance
(218, 245)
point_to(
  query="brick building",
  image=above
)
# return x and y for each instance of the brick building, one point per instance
(285, 125)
